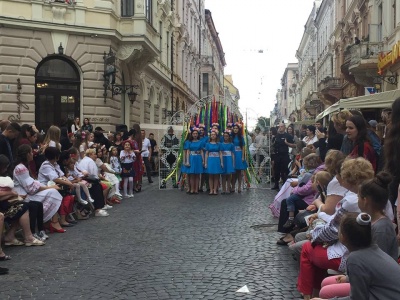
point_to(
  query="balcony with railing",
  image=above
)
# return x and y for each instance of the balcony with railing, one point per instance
(330, 90)
(364, 55)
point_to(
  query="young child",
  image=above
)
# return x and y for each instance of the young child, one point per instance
(127, 157)
(372, 198)
(372, 273)
(228, 157)
(213, 162)
(78, 183)
(114, 161)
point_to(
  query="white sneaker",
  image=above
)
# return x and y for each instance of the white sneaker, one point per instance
(36, 236)
(91, 199)
(101, 213)
(83, 202)
(42, 234)
(118, 194)
(131, 196)
(107, 207)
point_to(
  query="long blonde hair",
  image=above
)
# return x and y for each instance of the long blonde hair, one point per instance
(53, 134)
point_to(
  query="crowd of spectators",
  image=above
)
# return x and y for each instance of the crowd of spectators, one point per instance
(337, 207)
(49, 181)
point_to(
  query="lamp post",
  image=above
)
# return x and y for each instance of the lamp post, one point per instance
(110, 71)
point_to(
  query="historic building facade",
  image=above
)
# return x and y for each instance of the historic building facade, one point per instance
(289, 93)
(112, 61)
(349, 47)
(306, 54)
(213, 62)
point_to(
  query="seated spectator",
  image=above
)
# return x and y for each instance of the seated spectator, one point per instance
(50, 172)
(373, 198)
(35, 208)
(88, 165)
(335, 192)
(300, 198)
(372, 273)
(289, 185)
(326, 251)
(108, 179)
(33, 190)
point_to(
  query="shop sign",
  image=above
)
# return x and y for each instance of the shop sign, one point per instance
(389, 58)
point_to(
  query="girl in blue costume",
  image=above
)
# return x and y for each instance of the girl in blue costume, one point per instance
(213, 162)
(184, 167)
(228, 158)
(195, 161)
(204, 140)
(240, 159)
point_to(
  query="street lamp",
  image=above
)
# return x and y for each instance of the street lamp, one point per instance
(110, 71)
(60, 49)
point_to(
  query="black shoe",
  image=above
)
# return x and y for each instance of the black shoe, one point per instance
(275, 188)
(289, 223)
(3, 271)
(281, 242)
(151, 181)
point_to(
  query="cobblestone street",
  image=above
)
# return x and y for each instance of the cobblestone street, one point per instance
(160, 245)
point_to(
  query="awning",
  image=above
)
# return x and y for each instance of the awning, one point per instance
(378, 100)
(328, 111)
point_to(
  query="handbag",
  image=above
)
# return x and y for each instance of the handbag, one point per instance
(92, 179)
(299, 220)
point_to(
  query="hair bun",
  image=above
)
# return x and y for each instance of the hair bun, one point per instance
(383, 179)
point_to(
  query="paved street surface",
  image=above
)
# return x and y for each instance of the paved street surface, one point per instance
(160, 245)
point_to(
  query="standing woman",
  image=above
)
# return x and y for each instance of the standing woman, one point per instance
(136, 137)
(392, 154)
(213, 162)
(86, 125)
(196, 161)
(356, 130)
(118, 142)
(228, 158)
(240, 159)
(76, 126)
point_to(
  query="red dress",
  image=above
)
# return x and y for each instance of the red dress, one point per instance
(138, 163)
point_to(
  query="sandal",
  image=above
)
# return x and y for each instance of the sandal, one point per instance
(35, 242)
(14, 242)
(5, 257)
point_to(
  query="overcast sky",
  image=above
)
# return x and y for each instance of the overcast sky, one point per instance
(245, 27)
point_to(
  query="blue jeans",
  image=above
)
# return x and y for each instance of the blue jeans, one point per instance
(291, 202)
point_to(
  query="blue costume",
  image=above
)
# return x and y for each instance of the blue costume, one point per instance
(213, 161)
(239, 164)
(184, 168)
(195, 158)
(227, 151)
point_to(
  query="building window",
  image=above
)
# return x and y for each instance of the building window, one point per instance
(168, 53)
(160, 31)
(205, 83)
(127, 8)
(149, 11)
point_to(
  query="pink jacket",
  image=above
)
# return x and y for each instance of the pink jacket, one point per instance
(306, 191)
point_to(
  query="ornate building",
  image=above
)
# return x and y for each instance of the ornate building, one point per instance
(213, 62)
(289, 93)
(310, 104)
(112, 61)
